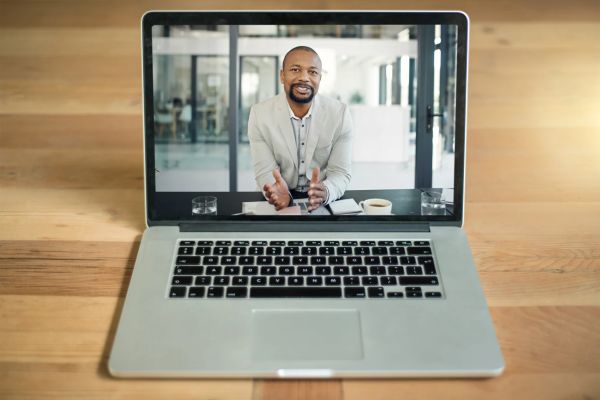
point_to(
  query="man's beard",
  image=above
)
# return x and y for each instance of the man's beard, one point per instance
(300, 100)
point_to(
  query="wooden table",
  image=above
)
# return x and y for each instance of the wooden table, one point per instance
(71, 200)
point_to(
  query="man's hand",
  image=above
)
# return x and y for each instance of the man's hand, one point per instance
(317, 194)
(277, 194)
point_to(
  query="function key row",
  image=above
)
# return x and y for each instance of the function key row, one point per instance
(303, 243)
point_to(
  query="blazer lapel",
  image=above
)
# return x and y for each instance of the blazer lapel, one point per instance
(285, 127)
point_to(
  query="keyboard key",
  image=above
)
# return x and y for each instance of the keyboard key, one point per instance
(349, 243)
(367, 243)
(196, 292)
(205, 243)
(344, 251)
(268, 271)
(259, 243)
(326, 251)
(385, 243)
(236, 292)
(396, 270)
(295, 281)
(418, 250)
(421, 243)
(314, 281)
(414, 294)
(264, 260)
(295, 292)
(397, 250)
(389, 260)
(433, 295)
(296, 243)
(286, 270)
(250, 270)
(408, 260)
(372, 261)
(247, 260)
(336, 260)
(403, 243)
(354, 292)
(428, 265)
(187, 243)
(331, 243)
(202, 281)
(333, 281)
(238, 251)
(239, 280)
(232, 270)
(277, 243)
(419, 280)
(388, 280)
(213, 270)
(210, 260)
(258, 281)
(341, 270)
(395, 294)
(414, 271)
(370, 281)
(215, 291)
(305, 270)
(299, 260)
(273, 251)
(362, 251)
(241, 243)
(291, 251)
(187, 260)
(189, 270)
(351, 281)
(377, 270)
(228, 260)
(277, 281)
(221, 251)
(185, 251)
(313, 242)
(309, 251)
(317, 260)
(223, 242)
(182, 280)
(379, 251)
(323, 270)
(359, 270)
(256, 251)
(282, 260)
(375, 292)
(177, 291)
(202, 251)
(221, 281)
(353, 260)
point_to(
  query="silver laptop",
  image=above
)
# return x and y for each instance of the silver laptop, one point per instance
(305, 200)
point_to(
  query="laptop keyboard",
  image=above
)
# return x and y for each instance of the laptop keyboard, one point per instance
(226, 269)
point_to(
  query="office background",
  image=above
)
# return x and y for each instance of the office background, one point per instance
(72, 204)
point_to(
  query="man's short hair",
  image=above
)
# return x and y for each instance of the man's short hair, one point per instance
(303, 48)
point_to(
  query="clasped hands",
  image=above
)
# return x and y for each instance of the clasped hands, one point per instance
(279, 195)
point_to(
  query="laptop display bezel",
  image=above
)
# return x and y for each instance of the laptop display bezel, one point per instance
(157, 215)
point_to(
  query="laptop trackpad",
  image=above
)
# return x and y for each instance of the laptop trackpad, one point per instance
(306, 335)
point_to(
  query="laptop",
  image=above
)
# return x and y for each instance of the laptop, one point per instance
(304, 183)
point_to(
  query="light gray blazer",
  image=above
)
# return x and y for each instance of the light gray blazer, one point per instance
(329, 145)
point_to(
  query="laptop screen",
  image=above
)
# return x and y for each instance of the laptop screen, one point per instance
(322, 115)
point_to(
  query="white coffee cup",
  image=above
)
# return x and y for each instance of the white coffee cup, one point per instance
(376, 206)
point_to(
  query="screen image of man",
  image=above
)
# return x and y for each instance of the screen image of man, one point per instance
(301, 142)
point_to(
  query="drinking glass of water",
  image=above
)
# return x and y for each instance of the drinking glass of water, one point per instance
(204, 205)
(432, 202)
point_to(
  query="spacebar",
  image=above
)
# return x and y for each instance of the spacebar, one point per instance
(295, 292)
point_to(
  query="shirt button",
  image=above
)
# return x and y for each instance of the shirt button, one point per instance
(302, 143)
(302, 161)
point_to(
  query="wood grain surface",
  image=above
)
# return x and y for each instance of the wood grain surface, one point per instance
(71, 199)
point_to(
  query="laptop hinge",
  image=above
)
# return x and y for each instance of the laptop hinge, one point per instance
(312, 226)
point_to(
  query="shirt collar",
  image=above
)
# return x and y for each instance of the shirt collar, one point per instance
(308, 114)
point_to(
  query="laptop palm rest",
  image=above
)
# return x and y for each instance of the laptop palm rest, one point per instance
(306, 335)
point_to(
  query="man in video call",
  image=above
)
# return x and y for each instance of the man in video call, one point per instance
(299, 134)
